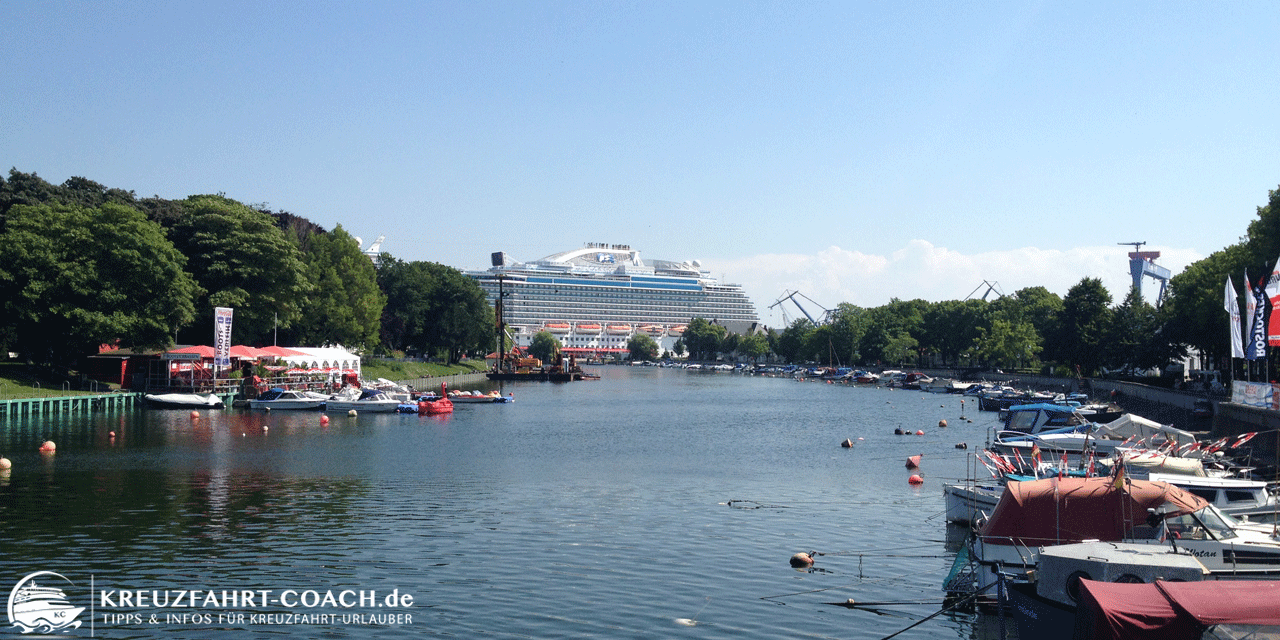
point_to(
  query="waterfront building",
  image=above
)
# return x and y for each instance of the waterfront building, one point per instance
(595, 298)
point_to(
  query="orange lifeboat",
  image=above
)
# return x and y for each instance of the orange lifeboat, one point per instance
(652, 329)
(677, 330)
(619, 328)
(588, 327)
(557, 327)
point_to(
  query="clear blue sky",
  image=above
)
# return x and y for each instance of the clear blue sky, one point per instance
(853, 151)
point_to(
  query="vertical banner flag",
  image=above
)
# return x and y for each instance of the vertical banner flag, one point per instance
(1258, 330)
(1273, 293)
(1230, 303)
(222, 336)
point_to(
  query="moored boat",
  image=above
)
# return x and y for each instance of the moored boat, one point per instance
(370, 400)
(290, 400)
(182, 401)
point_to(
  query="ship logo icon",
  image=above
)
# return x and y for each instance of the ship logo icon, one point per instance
(44, 609)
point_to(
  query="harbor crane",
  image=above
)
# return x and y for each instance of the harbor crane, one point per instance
(991, 287)
(791, 295)
(1142, 263)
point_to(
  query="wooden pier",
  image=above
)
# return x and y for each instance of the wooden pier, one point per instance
(69, 404)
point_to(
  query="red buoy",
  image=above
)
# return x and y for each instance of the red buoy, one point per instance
(324, 419)
(919, 432)
(48, 447)
(913, 462)
(915, 479)
(195, 415)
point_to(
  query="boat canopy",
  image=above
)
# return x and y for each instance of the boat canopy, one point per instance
(1129, 425)
(1173, 610)
(1064, 510)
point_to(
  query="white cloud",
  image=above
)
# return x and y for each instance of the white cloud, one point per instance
(923, 270)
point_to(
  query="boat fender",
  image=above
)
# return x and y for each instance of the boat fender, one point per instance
(919, 432)
(352, 413)
(847, 443)
(915, 479)
(5, 463)
(48, 447)
(913, 462)
(801, 560)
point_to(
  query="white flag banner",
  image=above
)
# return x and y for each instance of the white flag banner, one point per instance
(222, 336)
(1230, 302)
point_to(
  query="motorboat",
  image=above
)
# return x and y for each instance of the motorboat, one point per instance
(290, 400)
(969, 502)
(358, 400)
(475, 397)
(1237, 497)
(1038, 513)
(182, 401)
(1172, 610)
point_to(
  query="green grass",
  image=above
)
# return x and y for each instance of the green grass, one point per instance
(400, 370)
(17, 380)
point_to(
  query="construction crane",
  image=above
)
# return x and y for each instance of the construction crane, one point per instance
(791, 295)
(1142, 263)
(991, 286)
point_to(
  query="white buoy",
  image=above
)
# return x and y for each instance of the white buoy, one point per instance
(352, 413)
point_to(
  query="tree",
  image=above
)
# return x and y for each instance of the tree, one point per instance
(460, 320)
(1085, 320)
(678, 347)
(950, 327)
(1006, 342)
(73, 278)
(347, 305)
(544, 346)
(753, 346)
(791, 343)
(243, 261)
(642, 347)
(703, 338)
(1193, 312)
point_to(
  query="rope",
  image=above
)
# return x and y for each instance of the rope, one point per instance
(941, 611)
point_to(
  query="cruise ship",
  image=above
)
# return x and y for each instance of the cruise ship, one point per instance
(594, 299)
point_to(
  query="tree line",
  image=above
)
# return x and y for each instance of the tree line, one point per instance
(1081, 333)
(83, 265)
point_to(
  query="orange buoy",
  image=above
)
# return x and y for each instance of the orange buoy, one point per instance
(5, 464)
(111, 434)
(915, 479)
(919, 432)
(195, 415)
(942, 423)
(847, 443)
(913, 462)
(801, 560)
(48, 447)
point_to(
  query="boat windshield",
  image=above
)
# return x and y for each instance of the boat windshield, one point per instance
(1207, 523)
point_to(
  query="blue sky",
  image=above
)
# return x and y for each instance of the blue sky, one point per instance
(855, 152)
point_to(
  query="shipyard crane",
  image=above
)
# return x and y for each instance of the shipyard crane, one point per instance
(991, 286)
(791, 295)
(1142, 263)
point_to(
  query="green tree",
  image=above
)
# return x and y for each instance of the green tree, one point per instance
(1086, 317)
(346, 306)
(678, 347)
(409, 288)
(243, 261)
(950, 327)
(73, 278)
(703, 338)
(544, 346)
(642, 347)
(792, 341)
(753, 346)
(1006, 342)
(1193, 313)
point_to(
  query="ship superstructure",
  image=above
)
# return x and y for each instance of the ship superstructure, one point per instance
(595, 298)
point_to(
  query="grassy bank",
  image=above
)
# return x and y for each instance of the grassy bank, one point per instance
(406, 370)
(17, 380)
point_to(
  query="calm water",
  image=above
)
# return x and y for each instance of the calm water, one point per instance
(654, 503)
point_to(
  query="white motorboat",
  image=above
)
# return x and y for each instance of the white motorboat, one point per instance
(289, 400)
(358, 400)
(475, 397)
(182, 401)
(1236, 497)
(1034, 514)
